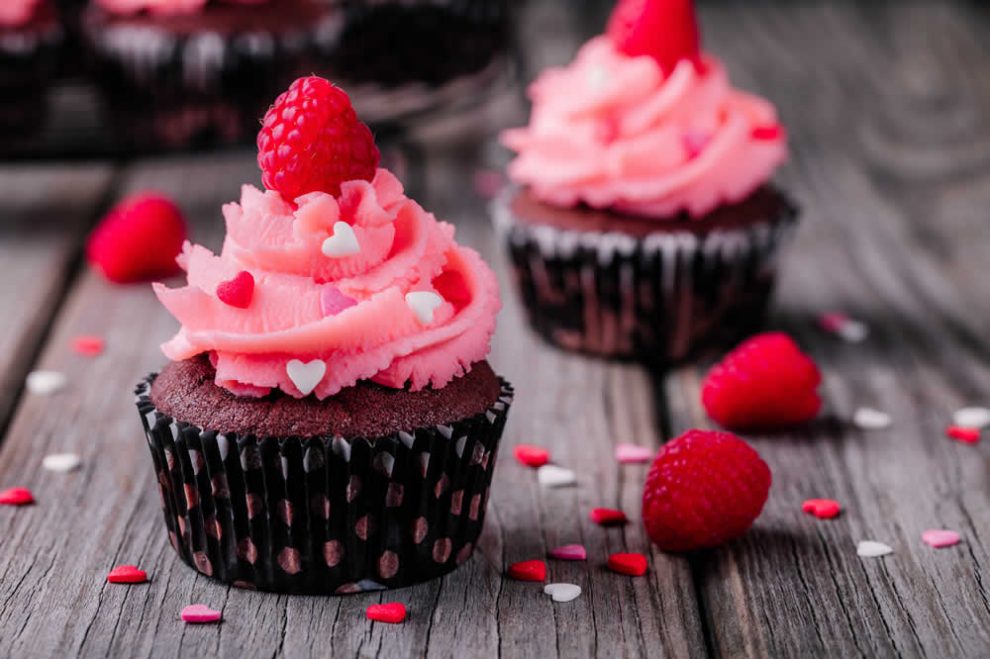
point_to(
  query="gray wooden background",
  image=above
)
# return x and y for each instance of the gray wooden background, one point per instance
(888, 107)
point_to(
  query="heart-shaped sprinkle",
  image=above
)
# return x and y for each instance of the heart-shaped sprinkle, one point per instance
(554, 476)
(822, 508)
(846, 328)
(88, 346)
(940, 538)
(872, 549)
(972, 417)
(633, 454)
(562, 592)
(199, 614)
(342, 243)
(867, 418)
(528, 571)
(423, 304)
(61, 462)
(46, 383)
(631, 564)
(16, 496)
(127, 574)
(306, 375)
(332, 301)
(607, 516)
(569, 553)
(531, 456)
(769, 132)
(392, 612)
(964, 435)
(237, 292)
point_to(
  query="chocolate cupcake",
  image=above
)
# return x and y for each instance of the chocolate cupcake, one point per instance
(186, 73)
(643, 223)
(328, 423)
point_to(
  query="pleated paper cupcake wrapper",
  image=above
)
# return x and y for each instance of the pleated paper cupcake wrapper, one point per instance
(324, 515)
(658, 299)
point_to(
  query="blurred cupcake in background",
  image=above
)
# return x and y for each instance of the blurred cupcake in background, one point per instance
(181, 73)
(643, 223)
(30, 39)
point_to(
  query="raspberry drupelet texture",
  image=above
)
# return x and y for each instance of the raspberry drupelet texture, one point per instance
(704, 488)
(311, 140)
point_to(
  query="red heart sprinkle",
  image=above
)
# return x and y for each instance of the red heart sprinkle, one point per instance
(608, 516)
(962, 434)
(528, 571)
(88, 346)
(531, 456)
(237, 292)
(632, 564)
(822, 508)
(16, 496)
(393, 612)
(768, 133)
(127, 574)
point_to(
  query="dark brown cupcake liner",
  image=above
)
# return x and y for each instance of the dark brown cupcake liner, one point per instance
(658, 299)
(324, 515)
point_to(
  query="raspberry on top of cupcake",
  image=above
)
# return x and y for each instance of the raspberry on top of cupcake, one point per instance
(644, 122)
(332, 276)
(162, 6)
(16, 13)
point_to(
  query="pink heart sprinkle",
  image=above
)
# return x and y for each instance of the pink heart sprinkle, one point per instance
(332, 301)
(832, 321)
(569, 553)
(199, 614)
(632, 454)
(940, 538)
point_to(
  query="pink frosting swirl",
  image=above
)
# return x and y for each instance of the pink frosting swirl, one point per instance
(367, 285)
(127, 7)
(16, 13)
(611, 131)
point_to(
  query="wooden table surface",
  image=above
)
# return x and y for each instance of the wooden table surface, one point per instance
(888, 108)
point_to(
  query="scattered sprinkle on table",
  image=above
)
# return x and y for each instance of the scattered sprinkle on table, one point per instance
(972, 417)
(390, 612)
(822, 508)
(88, 346)
(607, 516)
(61, 462)
(631, 564)
(554, 476)
(963, 434)
(534, 570)
(16, 496)
(867, 418)
(940, 538)
(199, 614)
(844, 327)
(569, 553)
(633, 454)
(127, 574)
(562, 592)
(531, 456)
(46, 383)
(872, 549)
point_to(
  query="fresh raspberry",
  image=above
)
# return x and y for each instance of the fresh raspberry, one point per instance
(666, 30)
(705, 487)
(311, 140)
(138, 239)
(765, 383)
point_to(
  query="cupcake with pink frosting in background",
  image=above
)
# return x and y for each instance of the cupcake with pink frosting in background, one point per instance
(642, 222)
(30, 39)
(328, 422)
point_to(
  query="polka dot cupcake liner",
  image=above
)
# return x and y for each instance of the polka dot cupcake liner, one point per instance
(324, 515)
(657, 299)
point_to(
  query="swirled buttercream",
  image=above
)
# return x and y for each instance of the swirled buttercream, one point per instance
(15, 13)
(162, 6)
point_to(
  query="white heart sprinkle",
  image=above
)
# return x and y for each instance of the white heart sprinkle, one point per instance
(872, 549)
(61, 462)
(562, 592)
(45, 383)
(868, 418)
(853, 331)
(554, 476)
(423, 304)
(343, 242)
(306, 375)
(972, 417)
